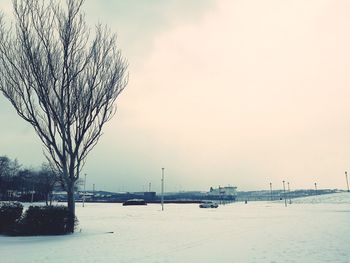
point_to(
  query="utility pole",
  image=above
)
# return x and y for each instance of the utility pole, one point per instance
(347, 182)
(162, 197)
(149, 187)
(290, 200)
(32, 198)
(84, 190)
(271, 191)
(284, 192)
(315, 188)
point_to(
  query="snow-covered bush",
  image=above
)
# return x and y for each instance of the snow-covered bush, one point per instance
(43, 220)
(10, 212)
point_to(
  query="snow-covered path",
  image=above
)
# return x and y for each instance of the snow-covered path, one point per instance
(253, 232)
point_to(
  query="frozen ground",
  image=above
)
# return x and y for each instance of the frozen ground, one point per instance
(253, 232)
(339, 198)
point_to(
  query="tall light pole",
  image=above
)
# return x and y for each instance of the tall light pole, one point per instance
(271, 191)
(162, 197)
(315, 188)
(347, 182)
(290, 200)
(84, 190)
(284, 192)
(32, 198)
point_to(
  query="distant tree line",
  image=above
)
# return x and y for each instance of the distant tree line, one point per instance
(27, 184)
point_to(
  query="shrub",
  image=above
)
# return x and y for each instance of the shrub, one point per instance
(42, 220)
(10, 212)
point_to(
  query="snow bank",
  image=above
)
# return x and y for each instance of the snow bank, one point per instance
(337, 198)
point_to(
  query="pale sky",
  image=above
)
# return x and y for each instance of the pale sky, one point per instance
(221, 92)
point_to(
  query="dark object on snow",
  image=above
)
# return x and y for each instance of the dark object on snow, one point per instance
(42, 220)
(135, 202)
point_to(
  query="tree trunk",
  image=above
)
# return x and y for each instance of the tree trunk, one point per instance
(51, 199)
(71, 207)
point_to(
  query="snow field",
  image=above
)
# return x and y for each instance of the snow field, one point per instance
(253, 232)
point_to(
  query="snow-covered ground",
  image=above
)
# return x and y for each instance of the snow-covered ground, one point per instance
(253, 232)
(339, 198)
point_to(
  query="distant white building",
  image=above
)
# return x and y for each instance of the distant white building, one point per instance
(223, 191)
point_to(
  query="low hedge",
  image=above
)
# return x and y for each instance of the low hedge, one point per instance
(46, 220)
(10, 213)
(42, 220)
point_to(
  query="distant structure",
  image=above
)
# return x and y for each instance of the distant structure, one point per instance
(226, 192)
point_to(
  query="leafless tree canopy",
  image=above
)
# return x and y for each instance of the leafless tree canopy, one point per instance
(61, 77)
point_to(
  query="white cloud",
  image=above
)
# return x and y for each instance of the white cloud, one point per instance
(255, 89)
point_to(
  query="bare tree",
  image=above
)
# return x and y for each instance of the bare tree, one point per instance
(47, 179)
(5, 167)
(8, 171)
(62, 79)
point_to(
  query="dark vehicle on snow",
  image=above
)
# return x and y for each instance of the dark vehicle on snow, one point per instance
(134, 202)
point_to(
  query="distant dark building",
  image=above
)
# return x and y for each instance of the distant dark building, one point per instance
(149, 196)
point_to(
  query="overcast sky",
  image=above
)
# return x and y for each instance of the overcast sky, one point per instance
(225, 92)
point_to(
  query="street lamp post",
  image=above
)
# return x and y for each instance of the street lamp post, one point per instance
(84, 190)
(32, 197)
(271, 191)
(315, 188)
(284, 192)
(347, 182)
(162, 197)
(290, 200)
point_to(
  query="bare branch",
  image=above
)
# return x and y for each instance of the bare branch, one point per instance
(61, 78)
